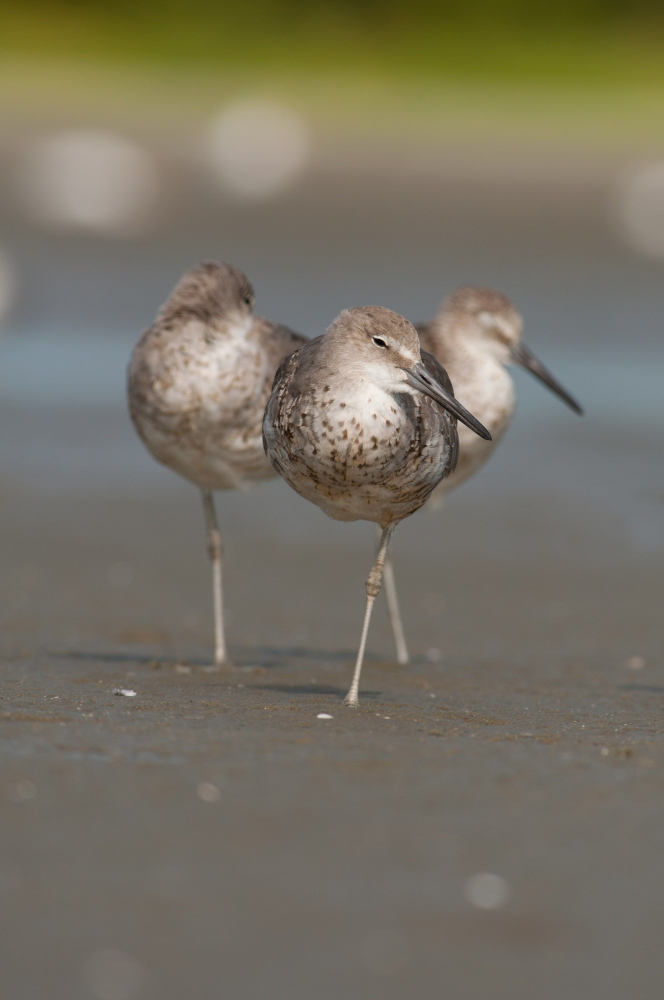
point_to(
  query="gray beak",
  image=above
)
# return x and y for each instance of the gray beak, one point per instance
(419, 378)
(522, 356)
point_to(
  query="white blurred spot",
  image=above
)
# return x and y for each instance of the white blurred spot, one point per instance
(183, 668)
(385, 951)
(635, 663)
(114, 975)
(208, 792)
(8, 284)
(120, 575)
(433, 655)
(640, 209)
(257, 148)
(22, 791)
(605, 751)
(89, 179)
(324, 715)
(487, 891)
(124, 692)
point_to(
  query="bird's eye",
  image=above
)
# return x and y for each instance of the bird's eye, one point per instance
(379, 342)
(247, 299)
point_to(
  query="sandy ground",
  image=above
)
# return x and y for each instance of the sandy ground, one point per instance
(211, 837)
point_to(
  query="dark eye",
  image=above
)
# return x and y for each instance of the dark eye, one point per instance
(247, 299)
(379, 342)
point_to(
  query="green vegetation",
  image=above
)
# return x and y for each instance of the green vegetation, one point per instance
(514, 40)
(581, 74)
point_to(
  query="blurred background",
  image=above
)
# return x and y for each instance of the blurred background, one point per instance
(341, 153)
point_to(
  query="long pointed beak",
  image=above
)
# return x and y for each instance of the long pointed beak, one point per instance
(524, 357)
(419, 378)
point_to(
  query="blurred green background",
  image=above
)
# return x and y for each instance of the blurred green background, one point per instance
(587, 39)
(583, 72)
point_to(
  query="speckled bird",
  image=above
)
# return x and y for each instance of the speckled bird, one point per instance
(198, 382)
(363, 424)
(476, 335)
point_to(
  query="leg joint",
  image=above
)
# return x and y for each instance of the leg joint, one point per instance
(374, 581)
(214, 544)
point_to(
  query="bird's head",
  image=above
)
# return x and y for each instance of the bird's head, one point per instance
(380, 347)
(216, 294)
(486, 323)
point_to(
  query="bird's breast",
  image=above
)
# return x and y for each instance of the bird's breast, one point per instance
(369, 437)
(360, 430)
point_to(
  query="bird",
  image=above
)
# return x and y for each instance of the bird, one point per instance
(198, 382)
(476, 335)
(362, 423)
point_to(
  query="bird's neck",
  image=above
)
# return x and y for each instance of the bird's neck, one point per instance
(455, 348)
(480, 380)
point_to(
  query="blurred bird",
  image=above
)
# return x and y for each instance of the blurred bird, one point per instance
(363, 424)
(476, 335)
(198, 383)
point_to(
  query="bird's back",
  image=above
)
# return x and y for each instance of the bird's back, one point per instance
(197, 399)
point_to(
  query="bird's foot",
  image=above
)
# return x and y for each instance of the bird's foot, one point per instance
(219, 666)
(351, 700)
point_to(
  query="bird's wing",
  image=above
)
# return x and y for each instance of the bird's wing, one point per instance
(291, 374)
(279, 341)
(437, 372)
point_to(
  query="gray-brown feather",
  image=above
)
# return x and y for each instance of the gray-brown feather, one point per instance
(200, 377)
(476, 357)
(381, 472)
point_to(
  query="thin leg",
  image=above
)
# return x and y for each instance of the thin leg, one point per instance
(214, 551)
(394, 613)
(374, 581)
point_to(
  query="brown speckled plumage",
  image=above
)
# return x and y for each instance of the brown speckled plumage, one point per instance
(472, 336)
(200, 377)
(360, 422)
(198, 383)
(342, 439)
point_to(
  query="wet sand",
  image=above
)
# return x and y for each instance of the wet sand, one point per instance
(334, 862)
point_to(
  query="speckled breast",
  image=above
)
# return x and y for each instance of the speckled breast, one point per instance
(373, 457)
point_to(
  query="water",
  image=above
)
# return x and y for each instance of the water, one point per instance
(592, 313)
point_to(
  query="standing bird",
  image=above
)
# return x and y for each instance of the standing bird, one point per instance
(363, 424)
(198, 383)
(476, 335)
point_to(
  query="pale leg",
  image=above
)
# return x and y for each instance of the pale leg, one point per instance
(214, 551)
(374, 581)
(393, 611)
